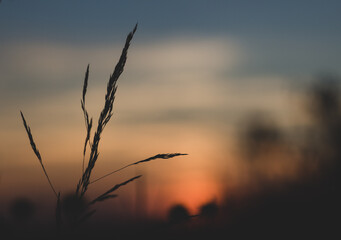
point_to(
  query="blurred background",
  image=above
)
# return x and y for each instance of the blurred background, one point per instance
(249, 89)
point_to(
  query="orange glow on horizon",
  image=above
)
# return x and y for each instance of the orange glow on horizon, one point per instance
(194, 191)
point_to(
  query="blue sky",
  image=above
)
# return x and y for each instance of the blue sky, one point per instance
(79, 19)
(292, 37)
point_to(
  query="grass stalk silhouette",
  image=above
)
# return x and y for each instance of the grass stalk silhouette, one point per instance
(36, 151)
(104, 117)
(158, 156)
(108, 194)
(89, 165)
(88, 123)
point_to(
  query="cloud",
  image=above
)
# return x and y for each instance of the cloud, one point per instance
(181, 68)
(168, 80)
(187, 55)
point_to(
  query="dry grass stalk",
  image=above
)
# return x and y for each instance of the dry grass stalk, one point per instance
(108, 194)
(88, 123)
(105, 115)
(158, 156)
(36, 151)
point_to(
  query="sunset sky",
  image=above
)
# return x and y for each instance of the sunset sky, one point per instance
(196, 70)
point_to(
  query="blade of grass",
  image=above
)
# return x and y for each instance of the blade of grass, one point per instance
(158, 156)
(36, 151)
(108, 194)
(88, 123)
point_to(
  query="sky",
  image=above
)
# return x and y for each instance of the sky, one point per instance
(195, 71)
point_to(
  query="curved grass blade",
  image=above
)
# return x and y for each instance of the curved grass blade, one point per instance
(88, 123)
(158, 156)
(36, 151)
(108, 194)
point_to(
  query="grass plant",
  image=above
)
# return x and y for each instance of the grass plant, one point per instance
(88, 163)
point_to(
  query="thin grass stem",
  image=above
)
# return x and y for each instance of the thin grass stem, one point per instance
(37, 153)
(158, 156)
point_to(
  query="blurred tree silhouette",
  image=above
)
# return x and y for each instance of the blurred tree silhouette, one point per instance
(259, 135)
(325, 109)
(310, 205)
(325, 145)
(209, 210)
(178, 214)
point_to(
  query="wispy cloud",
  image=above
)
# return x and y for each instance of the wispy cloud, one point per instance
(181, 65)
(49, 61)
(180, 78)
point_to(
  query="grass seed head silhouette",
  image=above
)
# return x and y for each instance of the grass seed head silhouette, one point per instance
(93, 145)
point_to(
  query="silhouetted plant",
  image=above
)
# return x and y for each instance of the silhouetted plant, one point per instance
(74, 206)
